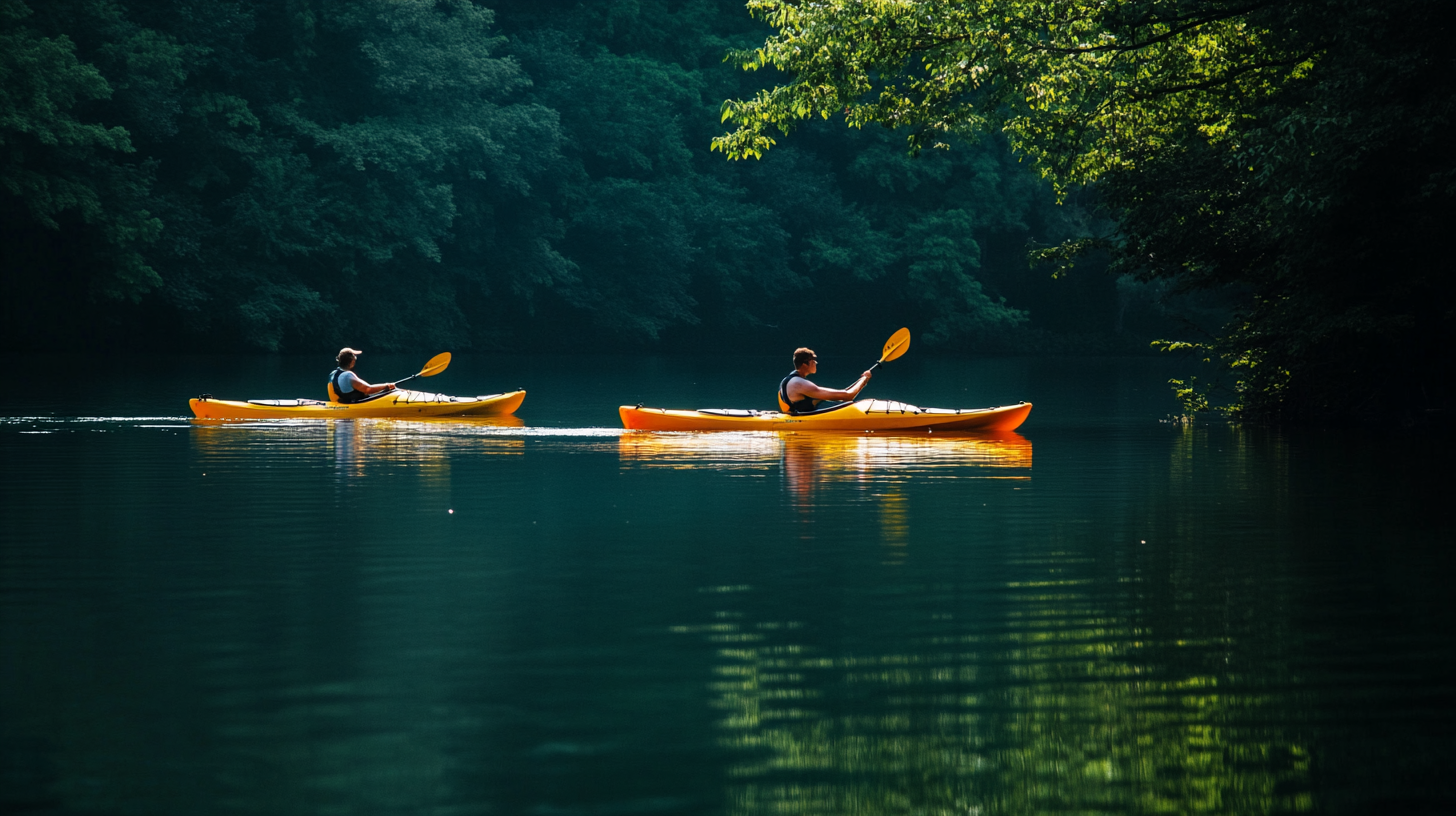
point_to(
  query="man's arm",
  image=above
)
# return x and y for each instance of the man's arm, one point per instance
(808, 389)
(360, 385)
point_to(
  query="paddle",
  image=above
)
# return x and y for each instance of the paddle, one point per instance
(897, 345)
(436, 364)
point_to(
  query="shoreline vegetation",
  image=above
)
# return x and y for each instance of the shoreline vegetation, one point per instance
(424, 174)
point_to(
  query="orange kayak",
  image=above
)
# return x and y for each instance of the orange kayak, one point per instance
(402, 403)
(864, 415)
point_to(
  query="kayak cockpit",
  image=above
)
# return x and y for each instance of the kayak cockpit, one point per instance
(751, 412)
(288, 403)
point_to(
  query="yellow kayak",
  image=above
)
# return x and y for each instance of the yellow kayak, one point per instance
(864, 415)
(399, 403)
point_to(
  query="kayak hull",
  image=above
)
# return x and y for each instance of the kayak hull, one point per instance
(401, 404)
(865, 415)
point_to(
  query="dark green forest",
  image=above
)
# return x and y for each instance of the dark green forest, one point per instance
(294, 175)
(425, 175)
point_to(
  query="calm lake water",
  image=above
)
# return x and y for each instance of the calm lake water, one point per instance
(1107, 612)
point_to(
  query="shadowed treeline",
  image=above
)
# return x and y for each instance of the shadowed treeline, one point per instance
(424, 175)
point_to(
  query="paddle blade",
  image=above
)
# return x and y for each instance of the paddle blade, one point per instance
(435, 365)
(898, 344)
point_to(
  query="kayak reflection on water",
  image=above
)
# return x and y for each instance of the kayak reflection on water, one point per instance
(813, 460)
(809, 461)
(355, 446)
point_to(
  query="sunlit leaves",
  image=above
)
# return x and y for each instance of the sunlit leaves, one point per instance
(1085, 88)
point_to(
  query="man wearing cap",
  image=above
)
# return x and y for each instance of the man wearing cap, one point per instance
(797, 395)
(347, 386)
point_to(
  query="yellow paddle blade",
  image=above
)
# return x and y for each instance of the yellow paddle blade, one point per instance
(898, 344)
(435, 365)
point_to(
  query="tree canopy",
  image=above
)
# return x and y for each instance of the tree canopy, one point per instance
(1288, 155)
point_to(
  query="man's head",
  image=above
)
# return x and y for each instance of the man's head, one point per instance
(347, 356)
(803, 357)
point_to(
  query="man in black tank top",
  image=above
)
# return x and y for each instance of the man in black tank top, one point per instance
(797, 395)
(348, 387)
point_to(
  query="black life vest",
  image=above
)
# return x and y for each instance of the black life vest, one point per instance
(800, 406)
(353, 396)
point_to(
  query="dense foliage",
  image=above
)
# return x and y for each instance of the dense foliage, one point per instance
(1294, 156)
(428, 174)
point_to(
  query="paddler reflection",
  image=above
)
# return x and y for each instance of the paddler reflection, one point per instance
(813, 460)
(346, 439)
(424, 445)
(810, 461)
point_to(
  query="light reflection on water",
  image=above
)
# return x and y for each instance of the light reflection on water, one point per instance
(1049, 708)
(832, 456)
(1039, 716)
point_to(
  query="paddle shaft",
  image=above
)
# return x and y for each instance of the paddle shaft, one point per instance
(897, 344)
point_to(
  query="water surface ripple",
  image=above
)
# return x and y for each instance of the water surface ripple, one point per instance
(1105, 612)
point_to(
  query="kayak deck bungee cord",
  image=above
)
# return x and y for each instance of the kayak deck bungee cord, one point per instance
(397, 403)
(864, 415)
